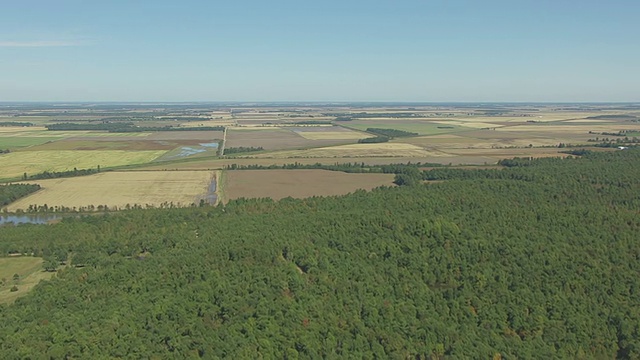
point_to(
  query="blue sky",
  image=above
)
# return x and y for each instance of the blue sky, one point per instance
(247, 50)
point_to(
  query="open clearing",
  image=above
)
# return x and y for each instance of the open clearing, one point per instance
(278, 184)
(117, 189)
(33, 162)
(30, 273)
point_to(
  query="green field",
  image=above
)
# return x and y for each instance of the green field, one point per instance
(32, 162)
(14, 142)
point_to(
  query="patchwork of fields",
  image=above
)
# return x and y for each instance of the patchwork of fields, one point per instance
(277, 135)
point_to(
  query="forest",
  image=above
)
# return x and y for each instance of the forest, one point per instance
(539, 259)
(12, 192)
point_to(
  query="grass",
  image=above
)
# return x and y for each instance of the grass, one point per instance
(30, 274)
(278, 184)
(119, 188)
(32, 162)
(19, 142)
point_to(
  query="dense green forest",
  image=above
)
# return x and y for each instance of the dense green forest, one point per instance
(12, 192)
(391, 133)
(242, 149)
(536, 260)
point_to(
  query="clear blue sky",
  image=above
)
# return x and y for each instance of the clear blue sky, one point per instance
(297, 50)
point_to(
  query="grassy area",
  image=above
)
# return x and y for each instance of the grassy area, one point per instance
(29, 271)
(14, 142)
(32, 162)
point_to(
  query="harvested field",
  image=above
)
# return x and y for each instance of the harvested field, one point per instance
(278, 184)
(389, 149)
(272, 138)
(329, 133)
(69, 144)
(32, 162)
(208, 136)
(572, 128)
(117, 189)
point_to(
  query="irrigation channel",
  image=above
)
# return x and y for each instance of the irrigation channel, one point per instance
(210, 197)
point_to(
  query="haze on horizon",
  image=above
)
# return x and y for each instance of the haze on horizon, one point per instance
(346, 51)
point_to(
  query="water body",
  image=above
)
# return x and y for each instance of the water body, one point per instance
(186, 151)
(211, 197)
(28, 219)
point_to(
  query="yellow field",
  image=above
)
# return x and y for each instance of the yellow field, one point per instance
(576, 129)
(466, 123)
(333, 135)
(32, 162)
(30, 274)
(117, 189)
(356, 150)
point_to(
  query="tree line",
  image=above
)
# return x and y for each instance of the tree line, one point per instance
(12, 192)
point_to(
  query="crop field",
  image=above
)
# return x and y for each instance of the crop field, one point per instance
(328, 133)
(14, 142)
(278, 184)
(389, 149)
(274, 138)
(32, 162)
(117, 189)
(29, 271)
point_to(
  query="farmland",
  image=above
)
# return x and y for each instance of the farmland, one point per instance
(119, 189)
(278, 184)
(15, 164)
(281, 134)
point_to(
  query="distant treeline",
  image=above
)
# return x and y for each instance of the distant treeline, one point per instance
(15, 123)
(391, 133)
(126, 127)
(612, 117)
(12, 192)
(313, 122)
(344, 167)
(373, 140)
(61, 174)
(241, 149)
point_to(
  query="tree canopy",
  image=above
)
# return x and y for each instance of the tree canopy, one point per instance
(537, 260)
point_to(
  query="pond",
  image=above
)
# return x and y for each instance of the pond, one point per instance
(186, 151)
(28, 218)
